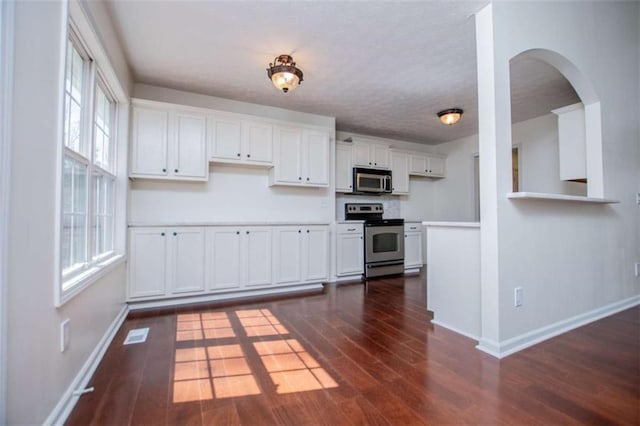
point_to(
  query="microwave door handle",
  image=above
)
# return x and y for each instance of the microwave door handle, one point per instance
(387, 183)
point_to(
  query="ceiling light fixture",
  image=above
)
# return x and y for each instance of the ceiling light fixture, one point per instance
(284, 74)
(450, 116)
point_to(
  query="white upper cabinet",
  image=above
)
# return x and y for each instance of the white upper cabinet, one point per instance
(240, 141)
(427, 165)
(370, 155)
(572, 146)
(168, 144)
(189, 144)
(399, 172)
(301, 157)
(344, 167)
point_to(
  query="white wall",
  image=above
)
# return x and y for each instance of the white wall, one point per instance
(38, 374)
(571, 259)
(232, 193)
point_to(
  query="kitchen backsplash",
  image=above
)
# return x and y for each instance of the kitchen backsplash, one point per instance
(390, 203)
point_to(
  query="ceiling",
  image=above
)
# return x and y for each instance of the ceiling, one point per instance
(380, 68)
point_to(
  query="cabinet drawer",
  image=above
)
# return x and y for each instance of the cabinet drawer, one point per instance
(413, 227)
(350, 228)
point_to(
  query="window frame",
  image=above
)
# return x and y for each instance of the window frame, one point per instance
(73, 280)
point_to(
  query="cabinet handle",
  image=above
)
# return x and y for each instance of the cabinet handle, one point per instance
(238, 154)
(162, 234)
(248, 155)
(307, 179)
(369, 163)
(413, 227)
(405, 235)
(375, 164)
(361, 237)
(349, 186)
(237, 232)
(299, 178)
(351, 229)
(247, 232)
(175, 233)
(307, 231)
(175, 170)
(164, 170)
(299, 231)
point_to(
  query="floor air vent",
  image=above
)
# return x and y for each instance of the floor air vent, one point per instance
(138, 335)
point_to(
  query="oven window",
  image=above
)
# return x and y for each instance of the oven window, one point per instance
(369, 182)
(385, 243)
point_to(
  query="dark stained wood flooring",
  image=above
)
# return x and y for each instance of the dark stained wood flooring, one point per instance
(356, 354)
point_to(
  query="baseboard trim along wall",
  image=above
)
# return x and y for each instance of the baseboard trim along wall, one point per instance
(62, 410)
(518, 343)
(235, 295)
(455, 330)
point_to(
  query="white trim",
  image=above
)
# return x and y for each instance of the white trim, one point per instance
(84, 280)
(455, 330)
(235, 295)
(64, 406)
(559, 197)
(7, 20)
(518, 343)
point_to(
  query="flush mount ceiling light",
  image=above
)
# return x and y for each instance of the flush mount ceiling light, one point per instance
(450, 116)
(284, 74)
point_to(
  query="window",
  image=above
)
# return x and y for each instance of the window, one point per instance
(88, 169)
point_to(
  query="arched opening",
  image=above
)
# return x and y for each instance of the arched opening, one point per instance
(556, 130)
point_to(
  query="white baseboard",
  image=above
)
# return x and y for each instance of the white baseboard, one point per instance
(234, 295)
(447, 326)
(518, 343)
(62, 410)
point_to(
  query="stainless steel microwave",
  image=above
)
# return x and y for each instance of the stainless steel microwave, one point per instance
(373, 181)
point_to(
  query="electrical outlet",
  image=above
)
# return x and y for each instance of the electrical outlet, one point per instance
(517, 296)
(637, 197)
(637, 269)
(65, 336)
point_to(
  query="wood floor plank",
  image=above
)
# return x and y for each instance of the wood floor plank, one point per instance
(355, 354)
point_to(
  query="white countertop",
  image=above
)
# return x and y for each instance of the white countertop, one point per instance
(227, 223)
(453, 224)
(346, 222)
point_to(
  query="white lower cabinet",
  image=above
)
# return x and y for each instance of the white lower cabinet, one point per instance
(170, 262)
(350, 250)
(238, 257)
(301, 254)
(166, 261)
(412, 245)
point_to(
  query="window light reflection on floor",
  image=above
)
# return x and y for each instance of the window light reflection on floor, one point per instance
(221, 370)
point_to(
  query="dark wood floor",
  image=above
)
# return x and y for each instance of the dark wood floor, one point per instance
(356, 354)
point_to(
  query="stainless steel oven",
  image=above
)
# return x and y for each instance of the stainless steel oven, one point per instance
(384, 247)
(383, 239)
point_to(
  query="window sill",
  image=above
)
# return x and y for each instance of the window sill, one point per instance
(558, 197)
(79, 282)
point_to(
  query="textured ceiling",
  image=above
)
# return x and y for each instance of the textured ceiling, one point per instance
(381, 68)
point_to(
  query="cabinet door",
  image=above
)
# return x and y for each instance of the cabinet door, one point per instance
(186, 259)
(316, 158)
(412, 249)
(258, 142)
(288, 150)
(361, 155)
(147, 265)
(190, 154)
(223, 256)
(257, 261)
(400, 172)
(418, 165)
(344, 168)
(436, 166)
(350, 254)
(149, 142)
(225, 139)
(316, 253)
(287, 252)
(380, 156)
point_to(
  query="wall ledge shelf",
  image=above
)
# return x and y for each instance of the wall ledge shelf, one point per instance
(558, 197)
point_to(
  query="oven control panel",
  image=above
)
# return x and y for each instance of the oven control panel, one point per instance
(360, 208)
